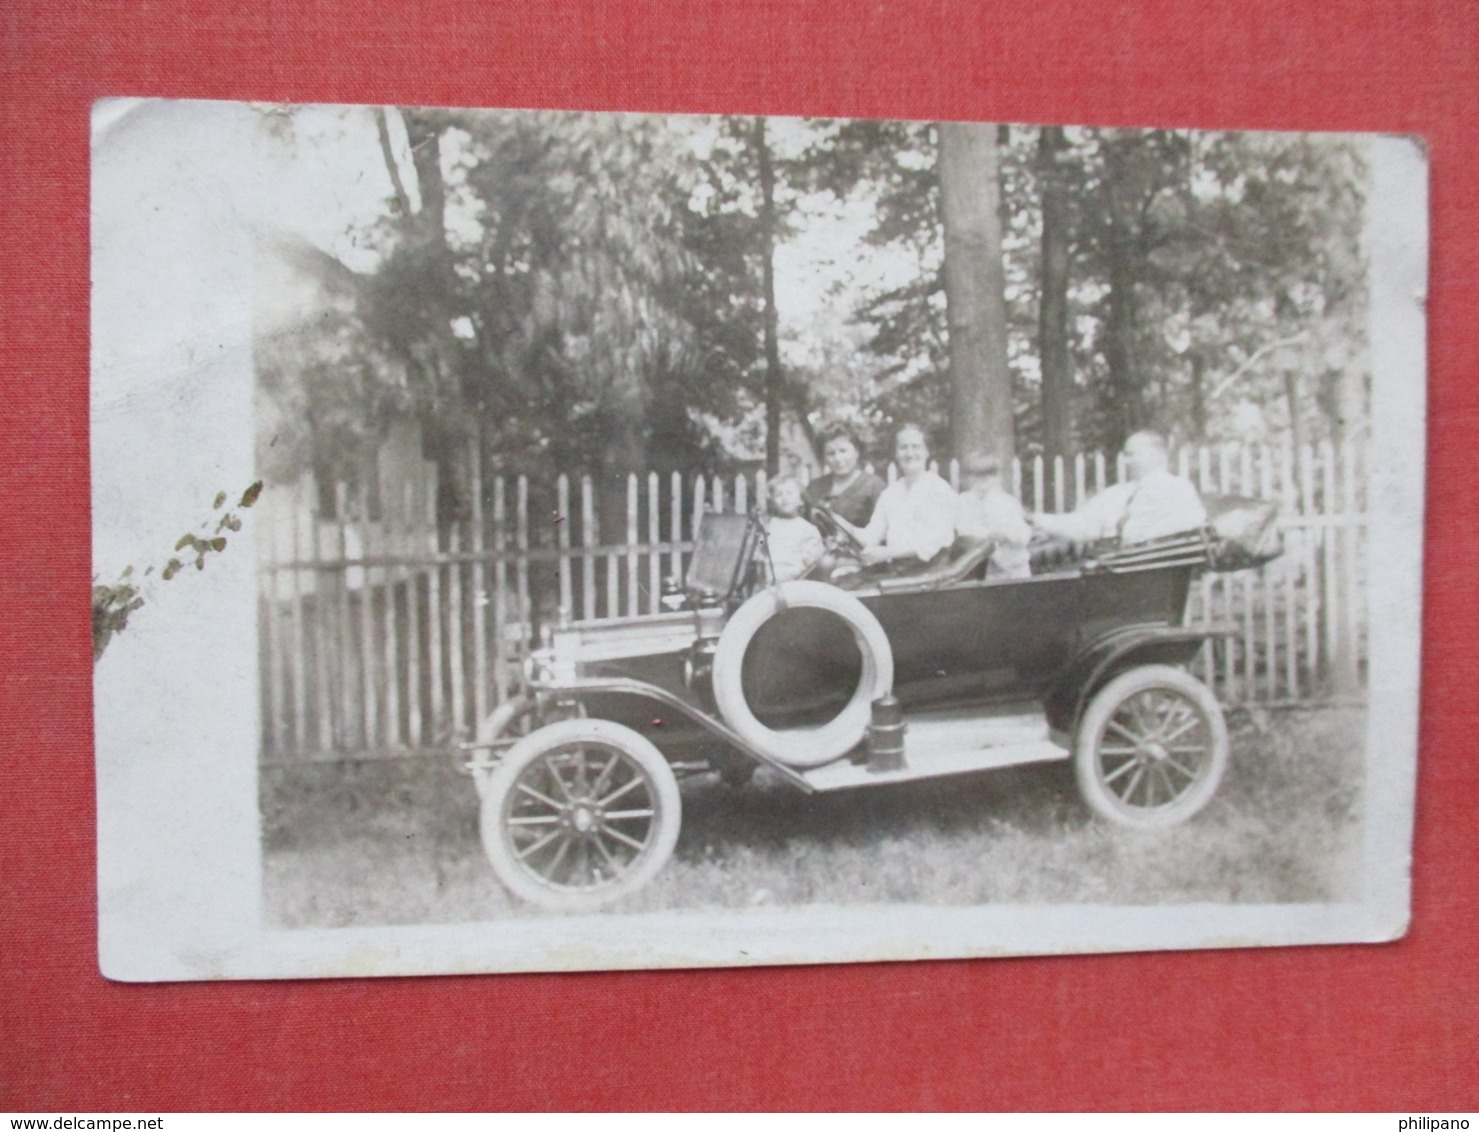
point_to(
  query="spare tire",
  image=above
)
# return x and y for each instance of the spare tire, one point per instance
(813, 746)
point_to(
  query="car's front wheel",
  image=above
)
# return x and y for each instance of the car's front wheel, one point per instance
(579, 814)
(1152, 747)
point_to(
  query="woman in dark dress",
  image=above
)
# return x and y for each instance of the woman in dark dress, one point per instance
(846, 488)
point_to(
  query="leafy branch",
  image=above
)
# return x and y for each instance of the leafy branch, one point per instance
(112, 605)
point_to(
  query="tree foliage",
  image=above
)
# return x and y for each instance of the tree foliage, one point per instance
(541, 306)
(1184, 257)
(588, 292)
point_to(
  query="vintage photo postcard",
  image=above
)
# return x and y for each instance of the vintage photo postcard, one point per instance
(534, 540)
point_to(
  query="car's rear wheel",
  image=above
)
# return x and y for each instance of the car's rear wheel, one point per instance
(580, 814)
(1151, 748)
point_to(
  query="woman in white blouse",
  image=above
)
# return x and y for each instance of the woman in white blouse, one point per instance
(914, 520)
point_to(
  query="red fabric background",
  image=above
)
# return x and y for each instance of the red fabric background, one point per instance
(1391, 1027)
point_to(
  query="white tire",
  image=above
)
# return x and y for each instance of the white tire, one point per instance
(580, 814)
(802, 747)
(1151, 748)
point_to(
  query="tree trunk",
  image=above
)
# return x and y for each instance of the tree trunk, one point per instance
(1198, 395)
(424, 136)
(1348, 404)
(424, 231)
(975, 284)
(773, 377)
(1052, 331)
(1126, 397)
(382, 130)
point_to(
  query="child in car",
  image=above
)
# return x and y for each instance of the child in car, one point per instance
(986, 511)
(794, 545)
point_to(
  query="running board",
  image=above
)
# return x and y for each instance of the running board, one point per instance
(958, 741)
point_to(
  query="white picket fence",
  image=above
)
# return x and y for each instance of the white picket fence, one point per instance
(380, 636)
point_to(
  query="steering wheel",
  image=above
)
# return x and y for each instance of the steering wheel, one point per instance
(833, 532)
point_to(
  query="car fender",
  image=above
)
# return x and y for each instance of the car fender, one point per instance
(1105, 656)
(574, 692)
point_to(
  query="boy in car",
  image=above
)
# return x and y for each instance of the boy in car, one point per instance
(794, 545)
(988, 512)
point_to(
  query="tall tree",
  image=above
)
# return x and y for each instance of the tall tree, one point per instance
(1052, 336)
(1188, 255)
(774, 379)
(1265, 255)
(420, 333)
(896, 167)
(1127, 167)
(980, 381)
(537, 291)
(532, 288)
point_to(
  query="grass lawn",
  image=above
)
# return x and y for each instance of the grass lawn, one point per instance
(396, 842)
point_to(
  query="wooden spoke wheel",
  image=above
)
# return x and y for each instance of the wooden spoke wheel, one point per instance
(579, 814)
(1151, 748)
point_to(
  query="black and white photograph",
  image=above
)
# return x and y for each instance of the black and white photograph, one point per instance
(557, 540)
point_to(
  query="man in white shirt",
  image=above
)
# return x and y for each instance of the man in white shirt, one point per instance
(1151, 503)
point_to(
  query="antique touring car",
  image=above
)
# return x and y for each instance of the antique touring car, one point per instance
(894, 679)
